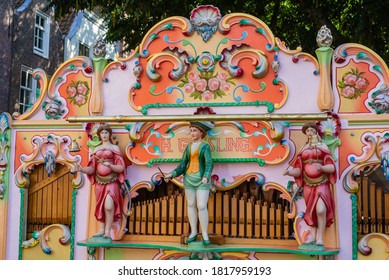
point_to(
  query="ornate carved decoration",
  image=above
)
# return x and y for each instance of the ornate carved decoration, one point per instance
(48, 150)
(5, 124)
(43, 236)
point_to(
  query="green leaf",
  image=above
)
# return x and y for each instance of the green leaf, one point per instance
(152, 89)
(168, 26)
(224, 41)
(244, 22)
(153, 36)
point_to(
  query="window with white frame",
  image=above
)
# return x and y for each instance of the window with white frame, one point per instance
(41, 34)
(28, 89)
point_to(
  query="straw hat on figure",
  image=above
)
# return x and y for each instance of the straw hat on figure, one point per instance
(196, 166)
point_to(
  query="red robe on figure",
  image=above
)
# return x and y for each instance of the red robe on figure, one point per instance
(106, 182)
(316, 184)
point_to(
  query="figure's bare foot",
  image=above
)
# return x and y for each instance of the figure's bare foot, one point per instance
(309, 241)
(99, 234)
(319, 242)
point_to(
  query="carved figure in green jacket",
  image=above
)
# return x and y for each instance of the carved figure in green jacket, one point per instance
(196, 166)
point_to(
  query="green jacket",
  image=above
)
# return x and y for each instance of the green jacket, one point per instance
(205, 161)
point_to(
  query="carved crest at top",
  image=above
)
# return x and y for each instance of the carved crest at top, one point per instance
(229, 66)
(205, 20)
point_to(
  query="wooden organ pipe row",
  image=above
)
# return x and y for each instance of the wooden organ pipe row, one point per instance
(49, 199)
(373, 208)
(229, 215)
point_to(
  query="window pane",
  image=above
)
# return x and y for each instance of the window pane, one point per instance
(23, 80)
(26, 92)
(21, 109)
(83, 49)
(26, 97)
(29, 80)
(41, 34)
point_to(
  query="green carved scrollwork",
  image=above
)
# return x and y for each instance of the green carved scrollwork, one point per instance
(5, 135)
(269, 105)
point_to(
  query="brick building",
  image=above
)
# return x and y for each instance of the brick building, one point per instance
(6, 14)
(30, 38)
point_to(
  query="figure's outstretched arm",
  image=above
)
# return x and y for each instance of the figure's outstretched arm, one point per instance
(89, 170)
(295, 172)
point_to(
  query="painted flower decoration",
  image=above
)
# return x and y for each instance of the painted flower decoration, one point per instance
(206, 86)
(380, 101)
(353, 84)
(78, 92)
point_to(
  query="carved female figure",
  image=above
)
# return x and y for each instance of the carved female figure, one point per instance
(196, 165)
(106, 172)
(314, 170)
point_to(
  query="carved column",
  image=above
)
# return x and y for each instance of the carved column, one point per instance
(325, 97)
(99, 63)
(5, 136)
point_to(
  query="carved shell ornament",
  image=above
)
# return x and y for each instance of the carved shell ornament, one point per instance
(205, 20)
(324, 37)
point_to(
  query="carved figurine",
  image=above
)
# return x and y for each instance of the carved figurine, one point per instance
(106, 172)
(196, 166)
(314, 171)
